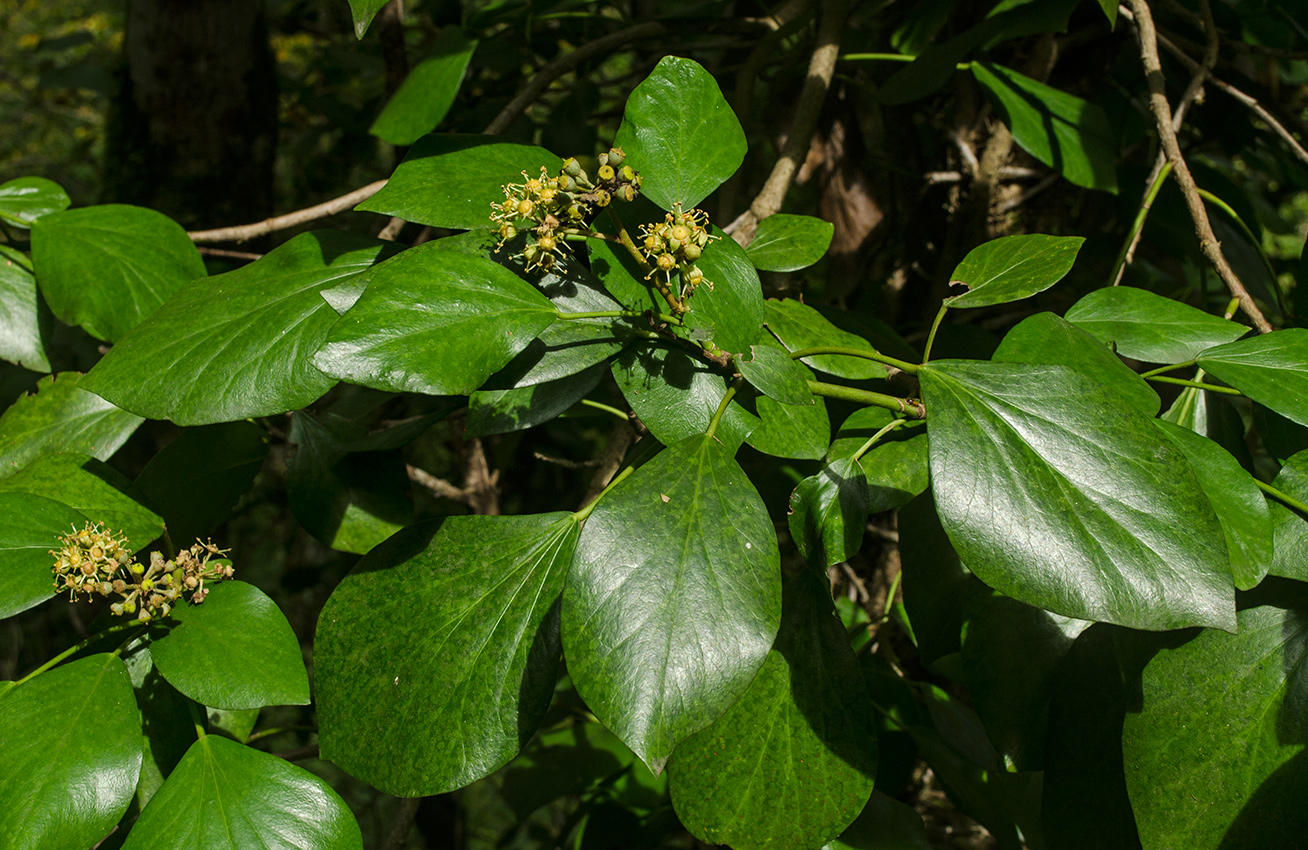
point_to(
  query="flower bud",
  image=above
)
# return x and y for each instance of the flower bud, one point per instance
(666, 263)
(691, 251)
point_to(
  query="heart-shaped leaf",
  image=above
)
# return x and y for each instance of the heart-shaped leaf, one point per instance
(25, 199)
(61, 417)
(787, 243)
(436, 322)
(669, 611)
(24, 321)
(227, 796)
(680, 134)
(791, 763)
(1272, 369)
(1012, 268)
(106, 268)
(70, 753)
(238, 345)
(235, 650)
(828, 512)
(1098, 490)
(436, 656)
(428, 91)
(30, 527)
(1144, 326)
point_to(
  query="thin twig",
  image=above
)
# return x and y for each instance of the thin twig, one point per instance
(1212, 249)
(438, 487)
(244, 232)
(231, 255)
(610, 460)
(404, 814)
(821, 68)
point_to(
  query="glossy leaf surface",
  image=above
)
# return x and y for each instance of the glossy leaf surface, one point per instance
(676, 395)
(791, 763)
(669, 612)
(59, 785)
(227, 796)
(1055, 494)
(828, 512)
(427, 93)
(787, 243)
(884, 824)
(896, 466)
(106, 268)
(1145, 326)
(30, 526)
(436, 322)
(1012, 268)
(25, 199)
(1290, 527)
(679, 132)
(1272, 369)
(436, 656)
(503, 411)
(24, 323)
(799, 431)
(363, 11)
(238, 345)
(776, 375)
(734, 304)
(90, 487)
(799, 326)
(61, 417)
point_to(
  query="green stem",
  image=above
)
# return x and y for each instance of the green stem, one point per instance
(1140, 216)
(892, 57)
(890, 595)
(1282, 497)
(616, 314)
(277, 730)
(607, 408)
(196, 720)
(581, 515)
(722, 407)
(72, 650)
(1196, 384)
(911, 409)
(627, 242)
(1163, 369)
(931, 337)
(872, 441)
(865, 353)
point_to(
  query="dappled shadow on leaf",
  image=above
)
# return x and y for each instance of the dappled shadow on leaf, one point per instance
(402, 546)
(541, 673)
(333, 244)
(1275, 815)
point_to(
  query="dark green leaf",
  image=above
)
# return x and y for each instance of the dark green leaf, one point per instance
(86, 485)
(502, 411)
(106, 268)
(1239, 504)
(680, 134)
(427, 93)
(1144, 326)
(436, 322)
(167, 724)
(1110, 11)
(61, 417)
(885, 824)
(733, 305)
(1290, 527)
(775, 374)
(1068, 134)
(669, 611)
(25, 199)
(800, 431)
(24, 323)
(225, 458)
(1013, 268)
(451, 180)
(30, 526)
(828, 512)
(238, 345)
(70, 752)
(1272, 369)
(896, 466)
(937, 585)
(235, 650)
(436, 656)
(787, 243)
(791, 763)
(799, 326)
(1056, 494)
(1215, 755)
(560, 762)
(227, 796)
(1045, 338)
(364, 11)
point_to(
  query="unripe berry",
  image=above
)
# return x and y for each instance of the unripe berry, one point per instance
(617, 157)
(571, 167)
(606, 173)
(691, 252)
(525, 207)
(628, 174)
(602, 198)
(627, 193)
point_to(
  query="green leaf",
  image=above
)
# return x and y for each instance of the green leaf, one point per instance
(1272, 369)
(237, 345)
(680, 134)
(734, 303)
(1045, 338)
(503, 411)
(167, 724)
(669, 611)
(562, 762)
(1214, 757)
(896, 466)
(436, 656)
(1239, 504)
(1056, 494)
(787, 243)
(801, 431)
(828, 512)
(25, 199)
(106, 268)
(885, 824)
(1012, 268)
(70, 752)
(1110, 11)
(435, 322)
(227, 796)
(791, 763)
(775, 374)
(234, 651)
(1144, 326)
(452, 179)
(99, 492)
(30, 526)
(1070, 135)
(363, 12)
(24, 322)
(427, 93)
(224, 457)
(676, 395)
(349, 501)
(1289, 527)
(61, 417)
(799, 326)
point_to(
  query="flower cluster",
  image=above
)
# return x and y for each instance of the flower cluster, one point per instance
(675, 244)
(95, 561)
(549, 209)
